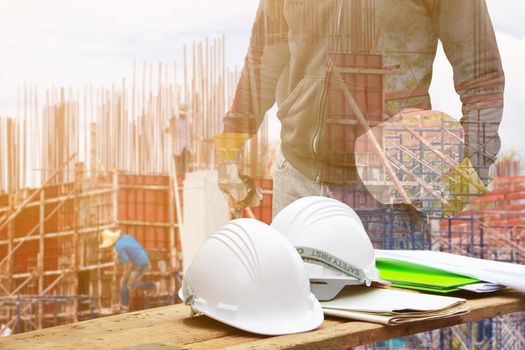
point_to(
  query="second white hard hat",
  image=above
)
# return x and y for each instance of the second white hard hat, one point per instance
(249, 276)
(332, 241)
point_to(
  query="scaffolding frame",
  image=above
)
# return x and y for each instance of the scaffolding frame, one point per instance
(25, 319)
(94, 206)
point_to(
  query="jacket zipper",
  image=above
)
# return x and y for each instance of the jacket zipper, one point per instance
(315, 141)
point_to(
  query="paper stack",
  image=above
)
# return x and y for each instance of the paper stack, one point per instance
(392, 307)
(494, 273)
(416, 276)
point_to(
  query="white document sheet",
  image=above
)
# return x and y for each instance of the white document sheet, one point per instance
(391, 307)
(392, 320)
(381, 300)
(497, 272)
(482, 287)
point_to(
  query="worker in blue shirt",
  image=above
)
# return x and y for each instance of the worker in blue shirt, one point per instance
(128, 250)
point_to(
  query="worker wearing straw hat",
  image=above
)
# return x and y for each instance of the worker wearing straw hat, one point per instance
(128, 250)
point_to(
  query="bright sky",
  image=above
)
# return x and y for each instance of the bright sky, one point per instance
(74, 42)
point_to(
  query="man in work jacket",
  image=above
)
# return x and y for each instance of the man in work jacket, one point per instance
(294, 48)
(128, 250)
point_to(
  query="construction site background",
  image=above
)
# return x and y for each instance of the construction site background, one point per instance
(82, 161)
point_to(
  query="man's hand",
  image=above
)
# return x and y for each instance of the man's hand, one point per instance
(240, 190)
(454, 182)
(230, 181)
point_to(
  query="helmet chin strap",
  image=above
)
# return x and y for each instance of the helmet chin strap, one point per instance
(188, 296)
(320, 257)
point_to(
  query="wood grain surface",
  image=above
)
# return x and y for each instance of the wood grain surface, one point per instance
(170, 328)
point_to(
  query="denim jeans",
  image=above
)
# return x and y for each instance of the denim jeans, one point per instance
(131, 279)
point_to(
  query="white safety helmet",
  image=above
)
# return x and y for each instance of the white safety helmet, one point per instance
(332, 241)
(249, 276)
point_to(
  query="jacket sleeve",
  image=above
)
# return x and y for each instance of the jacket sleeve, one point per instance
(267, 56)
(467, 35)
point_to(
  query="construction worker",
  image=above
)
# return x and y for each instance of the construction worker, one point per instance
(325, 62)
(128, 250)
(180, 129)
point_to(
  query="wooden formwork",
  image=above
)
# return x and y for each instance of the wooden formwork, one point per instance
(55, 252)
(52, 206)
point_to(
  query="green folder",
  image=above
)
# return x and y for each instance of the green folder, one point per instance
(415, 276)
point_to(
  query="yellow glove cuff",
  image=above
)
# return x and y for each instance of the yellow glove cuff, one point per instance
(228, 144)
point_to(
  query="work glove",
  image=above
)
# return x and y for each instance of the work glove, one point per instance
(240, 190)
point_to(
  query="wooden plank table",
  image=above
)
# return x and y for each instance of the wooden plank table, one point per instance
(170, 328)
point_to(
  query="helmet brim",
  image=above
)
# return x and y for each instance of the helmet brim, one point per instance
(328, 287)
(107, 243)
(284, 323)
